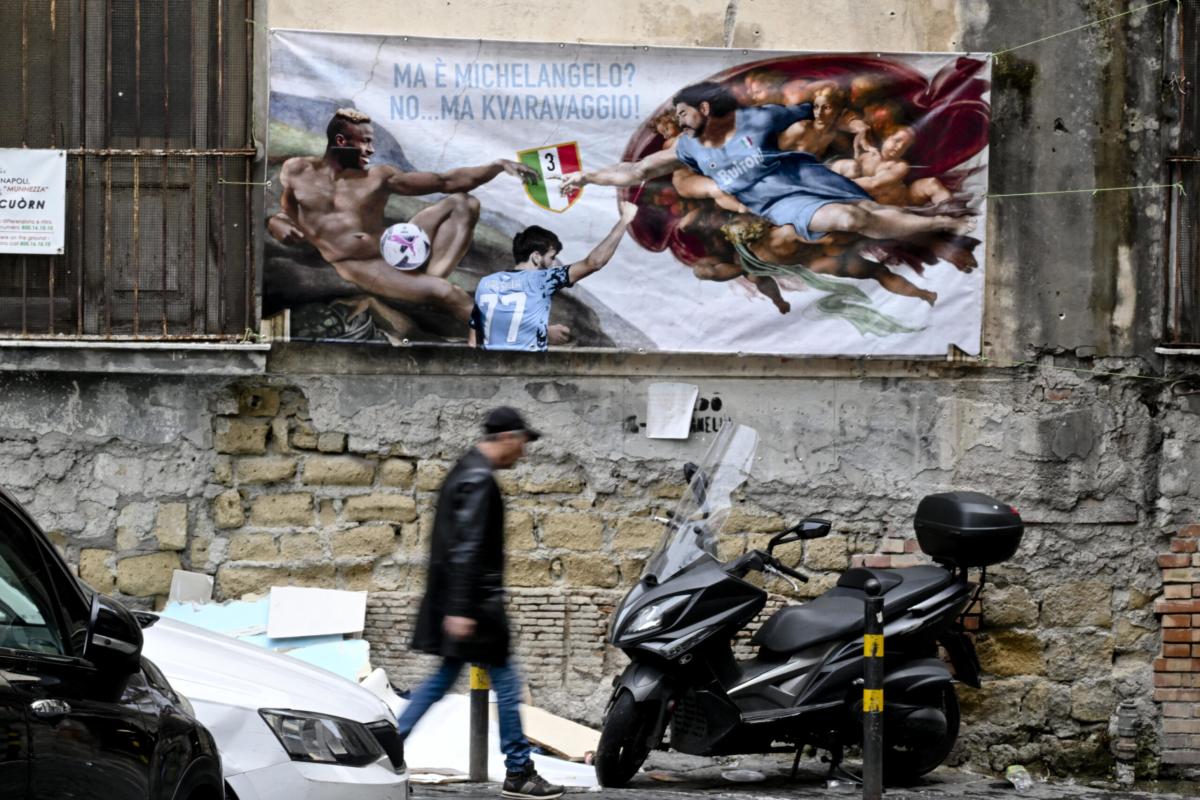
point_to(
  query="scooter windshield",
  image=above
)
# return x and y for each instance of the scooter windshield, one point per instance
(704, 509)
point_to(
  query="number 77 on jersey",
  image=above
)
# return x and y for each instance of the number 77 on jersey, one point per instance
(551, 163)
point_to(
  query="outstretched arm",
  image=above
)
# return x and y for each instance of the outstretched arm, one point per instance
(282, 225)
(604, 251)
(463, 179)
(692, 185)
(625, 173)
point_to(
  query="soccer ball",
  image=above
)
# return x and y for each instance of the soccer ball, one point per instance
(404, 246)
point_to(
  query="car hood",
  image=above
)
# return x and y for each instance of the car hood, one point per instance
(213, 668)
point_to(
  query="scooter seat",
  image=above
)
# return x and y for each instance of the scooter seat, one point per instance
(838, 614)
(823, 619)
(902, 588)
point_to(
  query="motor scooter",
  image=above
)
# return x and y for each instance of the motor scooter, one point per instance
(804, 684)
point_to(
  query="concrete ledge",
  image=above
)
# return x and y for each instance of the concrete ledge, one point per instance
(153, 358)
(359, 358)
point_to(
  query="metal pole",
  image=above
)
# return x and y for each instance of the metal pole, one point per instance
(480, 685)
(873, 693)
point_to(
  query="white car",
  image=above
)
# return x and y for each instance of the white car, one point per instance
(286, 730)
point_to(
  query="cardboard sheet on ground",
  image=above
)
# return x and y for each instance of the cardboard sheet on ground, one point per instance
(298, 611)
(438, 748)
(557, 734)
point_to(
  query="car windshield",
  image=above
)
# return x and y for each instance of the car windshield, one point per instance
(702, 513)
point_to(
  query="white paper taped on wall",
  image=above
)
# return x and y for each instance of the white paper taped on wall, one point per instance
(669, 410)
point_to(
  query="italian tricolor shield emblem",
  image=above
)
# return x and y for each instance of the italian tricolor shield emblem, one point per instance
(551, 163)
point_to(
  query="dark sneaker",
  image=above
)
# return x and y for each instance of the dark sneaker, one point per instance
(528, 785)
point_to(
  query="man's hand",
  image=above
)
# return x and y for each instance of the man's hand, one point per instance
(458, 627)
(862, 144)
(521, 171)
(558, 334)
(284, 230)
(628, 211)
(572, 182)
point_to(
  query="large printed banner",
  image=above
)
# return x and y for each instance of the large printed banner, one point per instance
(786, 203)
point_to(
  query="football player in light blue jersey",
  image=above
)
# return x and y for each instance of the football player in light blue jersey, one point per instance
(739, 149)
(512, 309)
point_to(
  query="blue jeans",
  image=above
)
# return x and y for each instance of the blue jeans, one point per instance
(507, 685)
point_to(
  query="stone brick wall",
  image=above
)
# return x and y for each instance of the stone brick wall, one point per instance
(1177, 669)
(327, 479)
(557, 635)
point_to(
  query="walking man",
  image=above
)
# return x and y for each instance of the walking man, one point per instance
(462, 617)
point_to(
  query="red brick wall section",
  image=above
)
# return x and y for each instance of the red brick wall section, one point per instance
(1177, 669)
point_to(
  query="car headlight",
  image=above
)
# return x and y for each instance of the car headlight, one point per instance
(652, 616)
(322, 739)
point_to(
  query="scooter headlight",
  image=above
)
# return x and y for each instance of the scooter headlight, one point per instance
(653, 615)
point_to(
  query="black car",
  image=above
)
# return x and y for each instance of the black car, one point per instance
(82, 714)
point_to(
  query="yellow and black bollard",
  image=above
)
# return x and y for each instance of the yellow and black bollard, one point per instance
(480, 686)
(873, 693)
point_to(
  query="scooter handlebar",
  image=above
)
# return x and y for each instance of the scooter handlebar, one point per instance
(758, 560)
(786, 570)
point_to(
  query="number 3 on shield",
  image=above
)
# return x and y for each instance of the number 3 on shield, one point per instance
(551, 167)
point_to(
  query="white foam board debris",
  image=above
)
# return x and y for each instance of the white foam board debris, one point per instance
(300, 611)
(441, 741)
(429, 775)
(190, 587)
(377, 684)
(349, 658)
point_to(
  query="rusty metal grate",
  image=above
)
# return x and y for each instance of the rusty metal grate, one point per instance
(151, 100)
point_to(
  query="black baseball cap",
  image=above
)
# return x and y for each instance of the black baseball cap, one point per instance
(505, 419)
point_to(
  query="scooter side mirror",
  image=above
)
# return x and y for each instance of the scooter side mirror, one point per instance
(814, 528)
(810, 528)
(783, 537)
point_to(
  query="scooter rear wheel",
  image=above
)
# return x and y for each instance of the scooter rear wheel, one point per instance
(907, 758)
(624, 741)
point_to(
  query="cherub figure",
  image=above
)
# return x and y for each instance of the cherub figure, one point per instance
(882, 173)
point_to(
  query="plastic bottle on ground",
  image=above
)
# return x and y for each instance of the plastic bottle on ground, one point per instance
(1019, 777)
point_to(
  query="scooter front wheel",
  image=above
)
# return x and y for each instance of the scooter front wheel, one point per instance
(625, 740)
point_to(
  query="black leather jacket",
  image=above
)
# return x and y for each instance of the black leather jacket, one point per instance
(466, 566)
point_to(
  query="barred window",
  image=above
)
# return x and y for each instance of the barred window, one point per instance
(151, 100)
